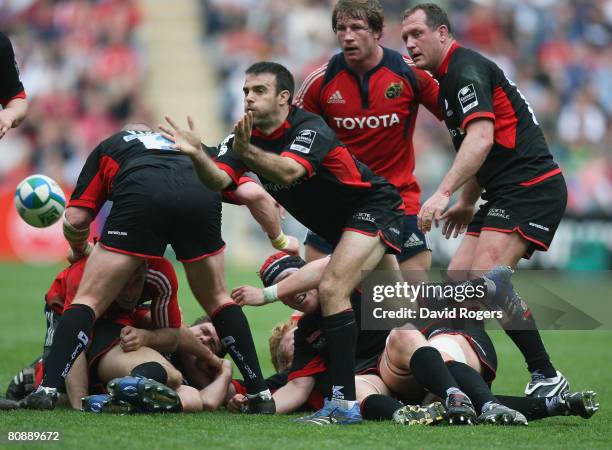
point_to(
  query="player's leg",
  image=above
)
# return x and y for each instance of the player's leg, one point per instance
(315, 247)
(415, 258)
(461, 262)
(105, 274)
(370, 384)
(207, 281)
(506, 249)
(409, 364)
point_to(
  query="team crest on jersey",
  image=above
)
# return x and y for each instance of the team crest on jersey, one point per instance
(467, 98)
(393, 91)
(303, 141)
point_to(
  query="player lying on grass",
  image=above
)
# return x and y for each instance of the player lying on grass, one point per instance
(404, 368)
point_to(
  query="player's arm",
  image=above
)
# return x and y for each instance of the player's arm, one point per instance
(77, 221)
(264, 210)
(77, 382)
(164, 340)
(303, 280)
(213, 395)
(13, 114)
(278, 169)
(470, 157)
(293, 395)
(189, 143)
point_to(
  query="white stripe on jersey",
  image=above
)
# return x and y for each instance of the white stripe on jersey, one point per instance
(161, 282)
(310, 79)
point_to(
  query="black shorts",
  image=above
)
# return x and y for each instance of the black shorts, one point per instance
(534, 211)
(157, 206)
(415, 241)
(481, 343)
(106, 335)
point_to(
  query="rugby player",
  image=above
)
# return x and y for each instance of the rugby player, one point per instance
(157, 199)
(402, 369)
(304, 166)
(12, 94)
(370, 95)
(501, 149)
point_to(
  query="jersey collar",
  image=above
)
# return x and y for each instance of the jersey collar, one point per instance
(444, 66)
(276, 134)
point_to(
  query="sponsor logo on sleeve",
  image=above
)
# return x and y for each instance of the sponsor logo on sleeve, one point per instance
(303, 141)
(467, 98)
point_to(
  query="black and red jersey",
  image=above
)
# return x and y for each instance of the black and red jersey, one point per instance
(310, 355)
(116, 157)
(472, 87)
(375, 115)
(335, 183)
(10, 84)
(160, 288)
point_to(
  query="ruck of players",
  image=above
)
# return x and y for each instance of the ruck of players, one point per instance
(116, 341)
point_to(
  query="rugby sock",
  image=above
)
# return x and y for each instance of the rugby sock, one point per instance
(532, 408)
(379, 407)
(529, 342)
(472, 384)
(70, 339)
(153, 370)
(341, 334)
(429, 370)
(235, 335)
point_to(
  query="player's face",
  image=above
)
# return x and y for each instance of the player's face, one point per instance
(286, 346)
(261, 98)
(130, 295)
(423, 44)
(207, 335)
(357, 41)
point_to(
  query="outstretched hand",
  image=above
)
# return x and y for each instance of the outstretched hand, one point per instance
(248, 295)
(188, 142)
(242, 133)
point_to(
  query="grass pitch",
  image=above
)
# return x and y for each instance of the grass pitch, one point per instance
(584, 357)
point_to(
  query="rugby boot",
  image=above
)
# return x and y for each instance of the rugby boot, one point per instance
(104, 403)
(459, 409)
(144, 394)
(540, 386)
(496, 414)
(420, 415)
(42, 398)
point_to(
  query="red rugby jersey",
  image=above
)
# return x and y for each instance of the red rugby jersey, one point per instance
(374, 116)
(160, 288)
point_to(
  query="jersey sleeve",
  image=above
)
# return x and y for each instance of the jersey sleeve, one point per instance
(95, 180)
(471, 93)
(165, 311)
(428, 92)
(310, 143)
(10, 85)
(229, 161)
(308, 96)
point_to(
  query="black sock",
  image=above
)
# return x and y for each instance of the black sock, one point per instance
(379, 407)
(472, 383)
(235, 335)
(529, 342)
(532, 408)
(153, 370)
(429, 370)
(70, 339)
(341, 334)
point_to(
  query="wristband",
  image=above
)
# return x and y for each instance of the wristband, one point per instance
(75, 237)
(281, 242)
(270, 294)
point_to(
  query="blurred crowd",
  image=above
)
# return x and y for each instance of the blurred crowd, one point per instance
(84, 70)
(83, 74)
(558, 52)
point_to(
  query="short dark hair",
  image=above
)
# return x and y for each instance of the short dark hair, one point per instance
(284, 78)
(368, 10)
(435, 16)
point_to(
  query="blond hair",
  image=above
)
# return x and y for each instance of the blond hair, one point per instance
(279, 359)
